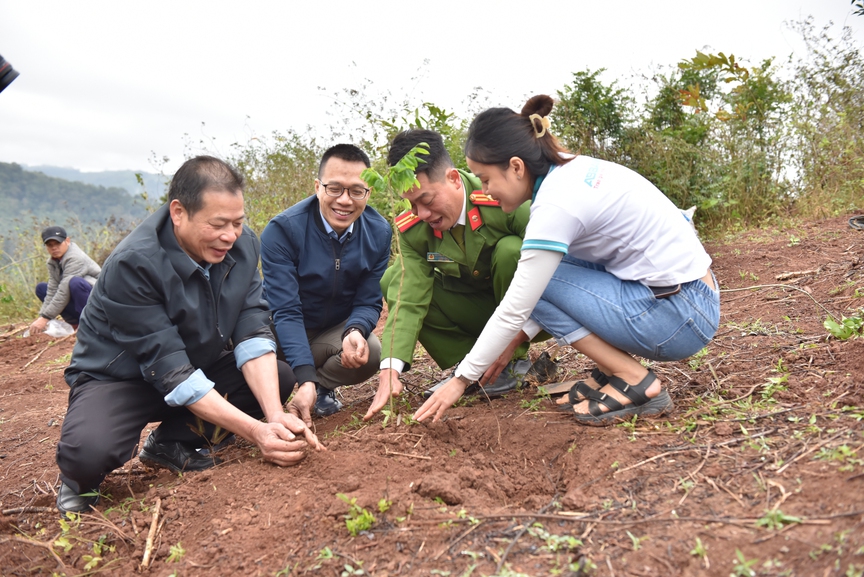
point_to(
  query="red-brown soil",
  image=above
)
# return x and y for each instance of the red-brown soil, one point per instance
(746, 475)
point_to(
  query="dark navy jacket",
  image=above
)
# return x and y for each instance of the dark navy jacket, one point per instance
(313, 282)
(154, 316)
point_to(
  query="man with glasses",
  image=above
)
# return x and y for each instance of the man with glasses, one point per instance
(323, 260)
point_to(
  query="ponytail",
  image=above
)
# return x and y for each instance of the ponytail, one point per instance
(498, 134)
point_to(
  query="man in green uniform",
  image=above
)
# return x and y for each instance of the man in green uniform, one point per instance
(459, 251)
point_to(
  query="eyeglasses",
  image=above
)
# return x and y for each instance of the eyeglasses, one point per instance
(335, 189)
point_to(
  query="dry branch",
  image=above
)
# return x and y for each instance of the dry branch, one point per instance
(47, 546)
(389, 452)
(796, 274)
(17, 510)
(151, 536)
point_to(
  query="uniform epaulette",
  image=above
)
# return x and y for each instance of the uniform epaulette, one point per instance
(483, 199)
(406, 220)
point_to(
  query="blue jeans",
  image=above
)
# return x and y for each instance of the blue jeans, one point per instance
(583, 299)
(79, 292)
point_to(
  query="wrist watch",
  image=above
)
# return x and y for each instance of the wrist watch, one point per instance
(464, 379)
(350, 330)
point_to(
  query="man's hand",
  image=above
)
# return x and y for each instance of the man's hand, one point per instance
(297, 428)
(302, 402)
(441, 400)
(38, 326)
(355, 350)
(280, 445)
(388, 385)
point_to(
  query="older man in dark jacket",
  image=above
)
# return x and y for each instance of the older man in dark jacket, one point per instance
(323, 259)
(176, 325)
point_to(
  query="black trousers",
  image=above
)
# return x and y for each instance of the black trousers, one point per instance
(104, 420)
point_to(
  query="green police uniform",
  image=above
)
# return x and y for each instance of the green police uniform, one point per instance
(447, 293)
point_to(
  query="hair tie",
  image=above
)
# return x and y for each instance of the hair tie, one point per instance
(544, 124)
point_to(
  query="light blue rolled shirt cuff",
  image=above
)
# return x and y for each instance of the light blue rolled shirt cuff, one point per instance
(190, 391)
(197, 384)
(252, 349)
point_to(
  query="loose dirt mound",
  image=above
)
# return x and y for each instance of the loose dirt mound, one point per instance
(759, 468)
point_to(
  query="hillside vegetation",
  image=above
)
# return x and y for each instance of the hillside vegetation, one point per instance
(153, 184)
(25, 196)
(749, 144)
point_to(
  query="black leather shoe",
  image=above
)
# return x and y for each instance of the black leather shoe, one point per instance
(510, 378)
(175, 456)
(68, 501)
(326, 404)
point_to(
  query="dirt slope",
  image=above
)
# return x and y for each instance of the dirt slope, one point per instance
(759, 468)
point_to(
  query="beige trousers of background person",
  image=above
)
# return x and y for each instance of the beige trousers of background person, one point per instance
(327, 354)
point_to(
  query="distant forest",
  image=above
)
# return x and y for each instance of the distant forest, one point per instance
(154, 184)
(30, 200)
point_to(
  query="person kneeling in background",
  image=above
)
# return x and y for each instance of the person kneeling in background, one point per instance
(71, 276)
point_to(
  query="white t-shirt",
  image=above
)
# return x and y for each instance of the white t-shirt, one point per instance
(600, 212)
(607, 214)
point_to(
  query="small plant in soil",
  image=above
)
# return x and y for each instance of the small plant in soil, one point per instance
(637, 541)
(398, 413)
(70, 537)
(846, 328)
(776, 519)
(748, 275)
(532, 405)
(176, 553)
(700, 550)
(696, 360)
(64, 360)
(842, 454)
(630, 426)
(288, 570)
(325, 554)
(856, 413)
(774, 385)
(358, 519)
(742, 568)
(351, 570)
(554, 543)
(463, 514)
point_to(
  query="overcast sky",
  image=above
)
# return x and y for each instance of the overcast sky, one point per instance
(104, 85)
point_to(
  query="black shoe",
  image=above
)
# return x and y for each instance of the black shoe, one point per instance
(175, 456)
(68, 501)
(507, 381)
(326, 404)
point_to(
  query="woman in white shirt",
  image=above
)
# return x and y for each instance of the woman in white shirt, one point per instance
(609, 266)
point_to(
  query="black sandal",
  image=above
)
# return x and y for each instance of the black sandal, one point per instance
(640, 403)
(581, 390)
